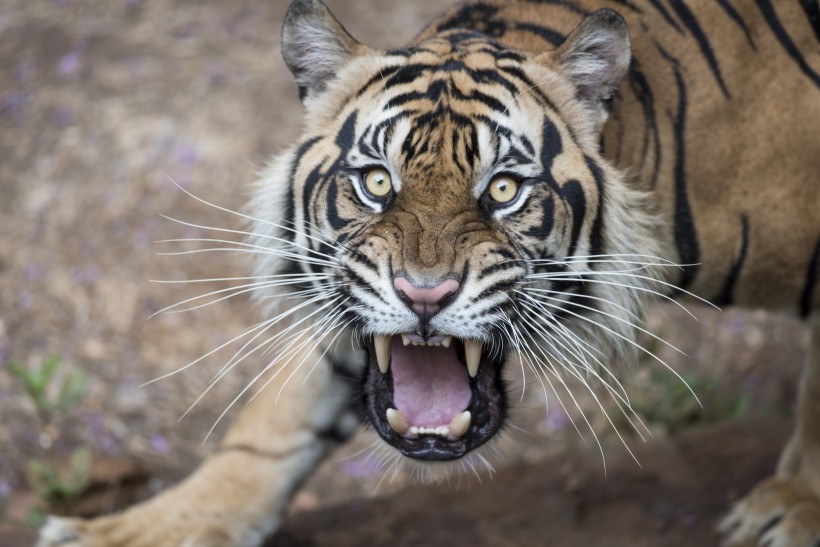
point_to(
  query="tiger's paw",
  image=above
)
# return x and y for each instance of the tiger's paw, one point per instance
(775, 514)
(165, 521)
(126, 531)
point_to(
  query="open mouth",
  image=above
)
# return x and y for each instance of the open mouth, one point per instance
(435, 398)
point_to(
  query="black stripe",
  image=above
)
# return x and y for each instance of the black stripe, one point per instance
(567, 4)
(547, 34)
(596, 238)
(532, 87)
(726, 295)
(346, 136)
(685, 235)
(487, 100)
(355, 279)
(694, 27)
(629, 5)
(527, 144)
(333, 218)
(407, 74)
(290, 204)
(551, 145)
(573, 195)
(812, 276)
(492, 290)
(455, 138)
(542, 231)
(812, 9)
(735, 16)
(493, 76)
(311, 183)
(494, 268)
(665, 14)
(475, 16)
(783, 37)
(383, 73)
(643, 91)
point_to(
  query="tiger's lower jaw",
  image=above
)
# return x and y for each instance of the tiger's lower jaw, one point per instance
(425, 400)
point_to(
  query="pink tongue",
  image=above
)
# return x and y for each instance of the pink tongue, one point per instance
(430, 385)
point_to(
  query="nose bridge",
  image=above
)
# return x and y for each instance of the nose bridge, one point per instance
(429, 249)
(436, 248)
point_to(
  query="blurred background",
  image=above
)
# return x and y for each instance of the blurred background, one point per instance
(107, 109)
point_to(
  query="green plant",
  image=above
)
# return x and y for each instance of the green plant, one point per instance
(37, 381)
(60, 486)
(57, 485)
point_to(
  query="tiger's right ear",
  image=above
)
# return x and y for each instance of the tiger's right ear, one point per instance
(595, 57)
(315, 45)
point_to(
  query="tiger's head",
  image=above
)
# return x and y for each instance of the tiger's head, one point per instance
(448, 208)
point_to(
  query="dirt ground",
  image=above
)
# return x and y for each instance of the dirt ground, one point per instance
(106, 110)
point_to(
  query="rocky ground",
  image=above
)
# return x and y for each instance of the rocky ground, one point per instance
(108, 111)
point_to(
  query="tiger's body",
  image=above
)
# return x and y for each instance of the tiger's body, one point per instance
(510, 187)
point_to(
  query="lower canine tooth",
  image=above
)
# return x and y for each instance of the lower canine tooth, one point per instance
(397, 420)
(460, 424)
(382, 344)
(472, 354)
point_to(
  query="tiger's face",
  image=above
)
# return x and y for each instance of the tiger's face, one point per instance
(442, 203)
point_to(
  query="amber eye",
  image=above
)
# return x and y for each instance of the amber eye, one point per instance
(378, 182)
(503, 189)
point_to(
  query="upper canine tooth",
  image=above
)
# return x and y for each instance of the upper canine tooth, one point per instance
(446, 341)
(382, 344)
(472, 354)
(398, 421)
(460, 424)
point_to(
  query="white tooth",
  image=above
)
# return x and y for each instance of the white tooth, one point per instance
(472, 354)
(397, 421)
(405, 340)
(382, 344)
(446, 341)
(460, 424)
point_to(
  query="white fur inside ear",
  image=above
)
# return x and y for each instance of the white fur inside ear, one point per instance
(315, 45)
(594, 65)
(320, 51)
(596, 55)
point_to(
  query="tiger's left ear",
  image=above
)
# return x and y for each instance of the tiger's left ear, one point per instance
(315, 45)
(595, 57)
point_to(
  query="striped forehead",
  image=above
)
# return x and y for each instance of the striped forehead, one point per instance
(457, 108)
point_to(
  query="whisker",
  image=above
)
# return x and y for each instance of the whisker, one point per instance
(611, 316)
(303, 276)
(639, 347)
(243, 233)
(231, 365)
(245, 216)
(619, 397)
(623, 285)
(260, 249)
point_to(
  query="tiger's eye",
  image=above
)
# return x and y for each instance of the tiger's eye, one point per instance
(378, 182)
(503, 189)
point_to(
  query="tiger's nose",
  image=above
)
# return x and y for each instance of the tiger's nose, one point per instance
(425, 302)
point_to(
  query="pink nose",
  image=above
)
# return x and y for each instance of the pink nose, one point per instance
(423, 301)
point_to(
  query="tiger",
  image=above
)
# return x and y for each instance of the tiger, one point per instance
(512, 189)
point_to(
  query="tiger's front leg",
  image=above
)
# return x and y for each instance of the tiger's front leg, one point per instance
(784, 511)
(238, 495)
